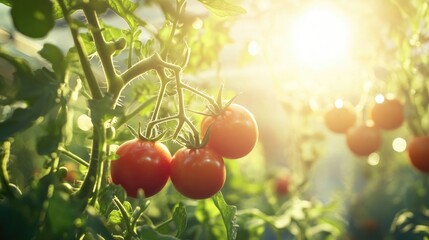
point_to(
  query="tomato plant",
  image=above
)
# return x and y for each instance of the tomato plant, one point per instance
(340, 119)
(141, 165)
(363, 140)
(79, 93)
(418, 153)
(388, 114)
(197, 173)
(77, 75)
(233, 132)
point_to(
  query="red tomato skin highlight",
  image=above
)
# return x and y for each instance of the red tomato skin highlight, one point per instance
(141, 164)
(233, 133)
(197, 173)
(418, 153)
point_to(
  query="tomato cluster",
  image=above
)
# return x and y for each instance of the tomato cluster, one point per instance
(364, 139)
(196, 172)
(200, 173)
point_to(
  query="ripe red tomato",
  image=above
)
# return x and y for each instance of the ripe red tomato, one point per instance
(339, 120)
(282, 185)
(197, 173)
(233, 133)
(363, 140)
(418, 153)
(141, 165)
(389, 114)
(369, 225)
(72, 172)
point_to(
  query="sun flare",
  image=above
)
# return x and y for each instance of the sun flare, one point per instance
(320, 36)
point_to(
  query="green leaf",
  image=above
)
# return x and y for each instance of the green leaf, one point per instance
(106, 195)
(102, 109)
(229, 215)
(96, 224)
(88, 43)
(73, 62)
(61, 214)
(148, 233)
(180, 218)
(55, 56)
(38, 90)
(71, 6)
(33, 18)
(115, 217)
(6, 2)
(223, 8)
(128, 207)
(125, 9)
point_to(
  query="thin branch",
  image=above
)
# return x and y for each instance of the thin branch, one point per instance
(114, 83)
(83, 56)
(73, 156)
(4, 176)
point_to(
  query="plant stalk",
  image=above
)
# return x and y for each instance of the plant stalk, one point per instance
(4, 176)
(87, 188)
(83, 56)
(114, 82)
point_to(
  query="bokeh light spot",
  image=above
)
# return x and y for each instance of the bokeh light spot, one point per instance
(399, 144)
(84, 122)
(373, 159)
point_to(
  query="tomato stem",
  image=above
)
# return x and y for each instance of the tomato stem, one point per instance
(73, 156)
(180, 5)
(155, 113)
(127, 117)
(83, 56)
(150, 63)
(165, 223)
(162, 120)
(4, 176)
(125, 216)
(210, 99)
(136, 216)
(114, 82)
(88, 187)
(130, 49)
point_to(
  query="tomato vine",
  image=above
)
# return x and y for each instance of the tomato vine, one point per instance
(94, 39)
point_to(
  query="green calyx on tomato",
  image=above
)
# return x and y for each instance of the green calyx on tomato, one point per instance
(141, 165)
(144, 136)
(197, 173)
(233, 132)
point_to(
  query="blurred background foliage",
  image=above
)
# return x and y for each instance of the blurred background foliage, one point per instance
(330, 194)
